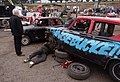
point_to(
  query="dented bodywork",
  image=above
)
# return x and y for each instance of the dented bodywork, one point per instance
(100, 49)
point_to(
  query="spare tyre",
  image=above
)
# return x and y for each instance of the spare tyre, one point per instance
(78, 71)
(61, 54)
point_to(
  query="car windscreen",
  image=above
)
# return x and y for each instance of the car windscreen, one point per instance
(41, 22)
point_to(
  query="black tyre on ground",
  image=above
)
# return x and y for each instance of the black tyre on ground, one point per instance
(78, 71)
(25, 40)
(61, 54)
(114, 70)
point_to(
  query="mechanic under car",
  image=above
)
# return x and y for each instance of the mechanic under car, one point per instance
(40, 55)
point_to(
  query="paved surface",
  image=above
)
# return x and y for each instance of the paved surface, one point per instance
(12, 68)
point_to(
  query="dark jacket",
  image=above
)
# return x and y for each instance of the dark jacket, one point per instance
(16, 26)
(48, 47)
(68, 21)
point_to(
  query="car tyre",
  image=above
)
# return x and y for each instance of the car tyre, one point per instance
(5, 23)
(78, 71)
(25, 40)
(114, 70)
(61, 54)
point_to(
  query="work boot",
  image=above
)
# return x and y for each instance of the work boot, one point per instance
(20, 54)
(31, 64)
(27, 60)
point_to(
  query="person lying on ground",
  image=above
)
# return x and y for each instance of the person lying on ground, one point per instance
(40, 55)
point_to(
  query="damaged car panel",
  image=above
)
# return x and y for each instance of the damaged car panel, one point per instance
(86, 44)
(98, 42)
(37, 31)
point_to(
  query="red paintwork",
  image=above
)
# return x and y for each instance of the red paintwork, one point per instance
(93, 19)
(91, 26)
(103, 19)
(117, 37)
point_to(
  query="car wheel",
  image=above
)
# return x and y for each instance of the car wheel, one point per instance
(25, 40)
(78, 71)
(5, 23)
(61, 54)
(114, 70)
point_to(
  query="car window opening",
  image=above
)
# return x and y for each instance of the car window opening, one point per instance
(103, 29)
(107, 30)
(81, 25)
(42, 22)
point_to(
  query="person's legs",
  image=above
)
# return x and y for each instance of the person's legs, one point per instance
(38, 59)
(17, 44)
(41, 56)
(37, 52)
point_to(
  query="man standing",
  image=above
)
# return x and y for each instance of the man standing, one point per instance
(68, 20)
(17, 31)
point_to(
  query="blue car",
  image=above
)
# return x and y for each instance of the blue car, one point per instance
(99, 42)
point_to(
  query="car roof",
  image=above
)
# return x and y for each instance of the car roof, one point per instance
(102, 19)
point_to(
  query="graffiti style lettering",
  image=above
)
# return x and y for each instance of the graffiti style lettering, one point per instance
(94, 46)
(56, 32)
(113, 51)
(79, 40)
(88, 45)
(68, 39)
(74, 41)
(105, 48)
(63, 36)
(83, 45)
(118, 53)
